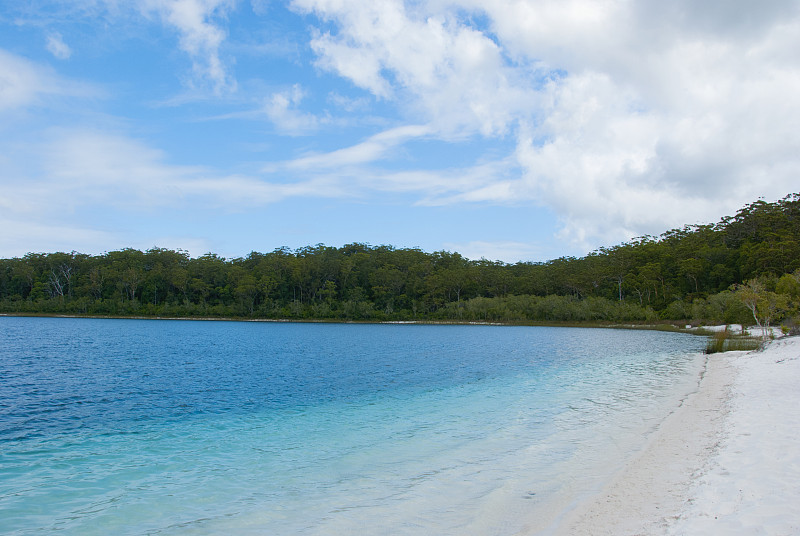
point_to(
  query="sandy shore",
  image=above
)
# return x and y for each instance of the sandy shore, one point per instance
(727, 461)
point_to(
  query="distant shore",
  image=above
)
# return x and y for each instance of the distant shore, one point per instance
(662, 326)
(727, 461)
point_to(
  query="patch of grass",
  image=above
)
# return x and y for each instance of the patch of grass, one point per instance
(725, 341)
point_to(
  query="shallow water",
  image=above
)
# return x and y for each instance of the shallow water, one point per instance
(181, 427)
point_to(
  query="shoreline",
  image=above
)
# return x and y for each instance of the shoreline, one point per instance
(671, 326)
(726, 461)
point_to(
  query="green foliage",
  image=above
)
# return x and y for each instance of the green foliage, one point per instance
(789, 285)
(726, 341)
(686, 274)
(764, 305)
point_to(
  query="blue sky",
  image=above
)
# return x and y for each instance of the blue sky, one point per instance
(519, 130)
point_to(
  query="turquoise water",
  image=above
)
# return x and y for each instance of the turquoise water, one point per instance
(181, 427)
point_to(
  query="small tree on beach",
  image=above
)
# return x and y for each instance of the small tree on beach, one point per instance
(762, 303)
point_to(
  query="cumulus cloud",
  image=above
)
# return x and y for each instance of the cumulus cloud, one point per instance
(697, 125)
(629, 117)
(449, 73)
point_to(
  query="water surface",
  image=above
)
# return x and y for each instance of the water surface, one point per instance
(187, 427)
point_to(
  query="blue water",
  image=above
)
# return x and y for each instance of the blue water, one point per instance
(189, 427)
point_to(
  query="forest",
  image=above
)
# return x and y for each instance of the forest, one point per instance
(745, 267)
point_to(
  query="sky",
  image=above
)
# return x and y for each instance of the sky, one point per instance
(512, 130)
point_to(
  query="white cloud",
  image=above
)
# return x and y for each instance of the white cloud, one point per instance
(24, 83)
(91, 167)
(23, 236)
(452, 75)
(376, 147)
(20, 81)
(199, 35)
(83, 168)
(200, 26)
(348, 104)
(630, 117)
(491, 181)
(623, 117)
(282, 109)
(57, 47)
(703, 127)
(365, 168)
(94, 191)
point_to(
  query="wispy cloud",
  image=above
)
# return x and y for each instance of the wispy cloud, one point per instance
(369, 168)
(25, 235)
(199, 36)
(127, 173)
(79, 168)
(374, 148)
(57, 47)
(200, 25)
(282, 108)
(24, 83)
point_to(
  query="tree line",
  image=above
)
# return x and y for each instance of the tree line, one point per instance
(695, 273)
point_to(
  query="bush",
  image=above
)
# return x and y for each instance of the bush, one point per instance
(725, 341)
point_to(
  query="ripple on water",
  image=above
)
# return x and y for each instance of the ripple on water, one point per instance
(180, 427)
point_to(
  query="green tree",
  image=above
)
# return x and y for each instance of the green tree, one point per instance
(764, 305)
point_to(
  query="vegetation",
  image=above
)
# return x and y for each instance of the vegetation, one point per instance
(745, 268)
(726, 341)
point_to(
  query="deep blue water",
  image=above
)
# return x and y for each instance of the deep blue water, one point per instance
(189, 427)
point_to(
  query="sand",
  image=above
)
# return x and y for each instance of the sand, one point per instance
(727, 461)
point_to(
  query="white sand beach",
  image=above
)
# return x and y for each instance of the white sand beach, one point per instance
(727, 461)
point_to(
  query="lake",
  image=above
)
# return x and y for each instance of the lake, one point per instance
(204, 427)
